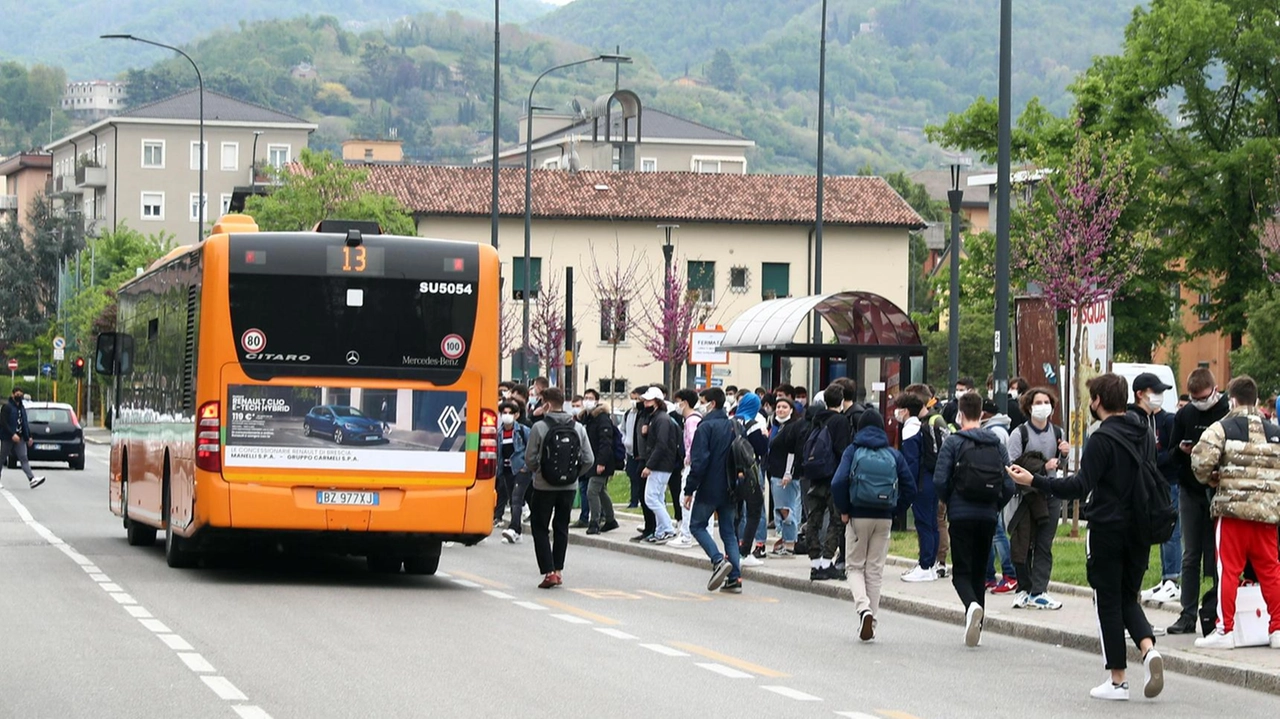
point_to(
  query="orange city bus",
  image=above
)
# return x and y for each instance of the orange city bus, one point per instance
(334, 390)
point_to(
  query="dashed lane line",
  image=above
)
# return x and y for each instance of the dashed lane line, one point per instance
(220, 685)
(665, 650)
(589, 616)
(731, 661)
(497, 594)
(479, 580)
(724, 671)
(790, 693)
(571, 619)
(615, 633)
(531, 605)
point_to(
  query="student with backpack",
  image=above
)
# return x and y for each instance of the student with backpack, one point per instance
(828, 438)
(1120, 483)
(1034, 525)
(663, 442)
(752, 529)
(707, 492)
(602, 434)
(512, 438)
(558, 452)
(690, 410)
(872, 484)
(970, 479)
(917, 447)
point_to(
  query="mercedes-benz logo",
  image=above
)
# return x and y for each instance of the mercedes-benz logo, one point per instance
(353, 357)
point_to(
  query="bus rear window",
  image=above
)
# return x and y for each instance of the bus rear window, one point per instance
(350, 326)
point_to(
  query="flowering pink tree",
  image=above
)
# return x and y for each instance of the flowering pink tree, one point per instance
(508, 326)
(671, 312)
(615, 285)
(546, 325)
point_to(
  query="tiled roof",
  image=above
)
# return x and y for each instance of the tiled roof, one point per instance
(186, 106)
(655, 125)
(678, 196)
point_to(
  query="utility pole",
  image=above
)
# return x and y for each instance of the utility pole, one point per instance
(817, 380)
(570, 360)
(1001, 373)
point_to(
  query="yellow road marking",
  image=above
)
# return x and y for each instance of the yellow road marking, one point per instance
(479, 580)
(731, 661)
(891, 714)
(599, 619)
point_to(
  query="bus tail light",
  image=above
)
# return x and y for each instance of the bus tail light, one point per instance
(487, 467)
(209, 437)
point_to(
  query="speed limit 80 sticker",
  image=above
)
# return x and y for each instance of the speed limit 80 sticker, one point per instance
(253, 340)
(453, 346)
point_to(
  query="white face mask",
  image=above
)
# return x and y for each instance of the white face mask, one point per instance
(1155, 401)
(508, 420)
(588, 404)
(781, 419)
(1041, 411)
(1204, 405)
(700, 408)
(901, 415)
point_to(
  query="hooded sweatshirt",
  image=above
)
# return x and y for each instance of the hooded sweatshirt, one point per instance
(533, 450)
(600, 429)
(871, 435)
(957, 506)
(1107, 474)
(756, 426)
(1188, 424)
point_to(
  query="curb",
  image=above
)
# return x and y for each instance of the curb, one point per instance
(1217, 670)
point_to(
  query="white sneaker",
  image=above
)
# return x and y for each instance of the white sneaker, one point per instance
(1020, 600)
(750, 561)
(511, 536)
(1275, 640)
(920, 574)
(973, 625)
(36, 482)
(1217, 640)
(1043, 601)
(682, 543)
(1111, 692)
(1166, 591)
(1153, 663)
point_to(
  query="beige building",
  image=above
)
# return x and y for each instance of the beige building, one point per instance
(618, 133)
(141, 167)
(740, 239)
(95, 99)
(22, 177)
(356, 150)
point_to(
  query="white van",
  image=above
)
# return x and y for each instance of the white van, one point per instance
(1131, 370)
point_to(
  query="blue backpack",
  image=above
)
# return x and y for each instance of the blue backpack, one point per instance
(820, 455)
(873, 479)
(619, 449)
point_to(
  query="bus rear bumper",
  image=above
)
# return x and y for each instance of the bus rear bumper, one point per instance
(221, 539)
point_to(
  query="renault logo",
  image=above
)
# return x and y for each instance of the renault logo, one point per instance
(353, 357)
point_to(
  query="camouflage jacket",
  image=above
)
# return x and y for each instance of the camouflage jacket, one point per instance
(1248, 471)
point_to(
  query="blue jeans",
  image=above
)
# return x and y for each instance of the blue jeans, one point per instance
(584, 506)
(925, 511)
(787, 498)
(655, 498)
(1171, 551)
(1001, 542)
(700, 516)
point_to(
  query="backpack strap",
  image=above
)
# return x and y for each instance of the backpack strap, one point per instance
(1025, 434)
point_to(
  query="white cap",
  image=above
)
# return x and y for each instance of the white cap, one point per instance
(651, 393)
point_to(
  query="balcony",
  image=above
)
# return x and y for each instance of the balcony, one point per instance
(8, 202)
(57, 186)
(91, 178)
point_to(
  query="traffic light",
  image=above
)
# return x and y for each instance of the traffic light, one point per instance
(77, 367)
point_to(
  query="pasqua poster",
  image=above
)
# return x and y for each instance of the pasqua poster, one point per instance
(1086, 359)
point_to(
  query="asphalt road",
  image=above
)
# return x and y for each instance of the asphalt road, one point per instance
(90, 627)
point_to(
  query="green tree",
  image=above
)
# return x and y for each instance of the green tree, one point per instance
(1258, 357)
(722, 73)
(323, 187)
(29, 274)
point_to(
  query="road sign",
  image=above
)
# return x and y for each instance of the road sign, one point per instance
(59, 343)
(704, 347)
(47, 370)
(13, 365)
(59, 355)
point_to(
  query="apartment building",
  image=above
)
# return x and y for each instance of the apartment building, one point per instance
(22, 177)
(141, 167)
(95, 99)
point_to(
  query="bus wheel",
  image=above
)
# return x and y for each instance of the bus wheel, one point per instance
(383, 563)
(138, 535)
(176, 553)
(421, 564)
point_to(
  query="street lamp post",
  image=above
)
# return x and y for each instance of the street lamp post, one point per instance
(817, 227)
(203, 152)
(253, 159)
(667, 251)
(954, 197)
(1001, 373)
(497, 46)
(528, 191)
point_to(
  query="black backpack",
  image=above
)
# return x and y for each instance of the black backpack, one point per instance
(979, 473)
(1152, 506)
(561, 457)
(935, 433)
(1237, 428)
(820, 454)
(744, 471)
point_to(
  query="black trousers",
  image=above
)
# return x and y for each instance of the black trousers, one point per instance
(1115, 561)
(970, 546)
(1198, 551)
(823, 529)
(1035, 565)
(549, 514)
(503, 487)
(674, 488)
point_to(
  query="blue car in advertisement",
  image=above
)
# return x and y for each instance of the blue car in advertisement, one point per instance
(343, 424)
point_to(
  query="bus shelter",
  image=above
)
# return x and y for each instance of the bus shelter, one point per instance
(872, 340)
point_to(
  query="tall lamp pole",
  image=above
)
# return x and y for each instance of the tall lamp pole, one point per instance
(253, 158)
(1001, 374)
(954, 197)
(203, 151)
(528, 193)
(667, 251)
(817, 230)
(497, 45)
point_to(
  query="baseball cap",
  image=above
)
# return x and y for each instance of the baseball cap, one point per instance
(651, 394)
(1148, 380)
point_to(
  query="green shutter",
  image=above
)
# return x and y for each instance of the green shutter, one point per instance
(702, 275)
(775, 280)
(517, 272)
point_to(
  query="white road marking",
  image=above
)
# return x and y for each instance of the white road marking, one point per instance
(123, 598)
(175, 642)
(108, 586)
(249, 711)
(91, 568)
(790, 693)
(856, 715)
(664, 649)
(442, 575)
(224, 688)
(156, 626)
(75, 556)
(196, 663)
(137, 612)
(531, 605)
(571, 619)
(615, 633)
(724, 671)
(100, 578)
(497, 594)
(466, 583)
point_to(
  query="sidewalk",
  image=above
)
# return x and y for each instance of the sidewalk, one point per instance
(97, 435)
(1073, 626)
